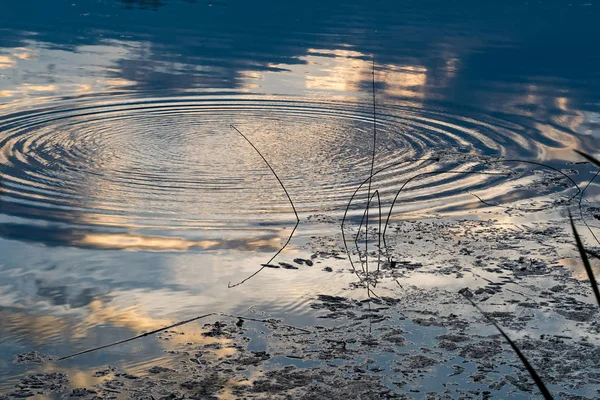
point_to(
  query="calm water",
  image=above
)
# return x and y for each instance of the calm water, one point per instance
(128, 201)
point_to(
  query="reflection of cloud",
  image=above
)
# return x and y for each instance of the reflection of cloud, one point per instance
(552, 121)
(33, 72)
(403, 81)
(40, 329)
(128, 241)
(343, 70)
(39, 88)
(29, 90)
(23, 53)
(216, 58)
(118, 82)
(125, 241)
(31, 328)
(18, 53)
(575, 265)
(7, 93)
(130, 318)
(55, 236)
(338, 70)
(7, 62)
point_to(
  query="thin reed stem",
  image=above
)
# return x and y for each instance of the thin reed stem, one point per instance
(372, 166)
(187, 321)
(362, 221)
(345, 216)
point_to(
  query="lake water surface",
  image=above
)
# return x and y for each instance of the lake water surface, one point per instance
(128, 202)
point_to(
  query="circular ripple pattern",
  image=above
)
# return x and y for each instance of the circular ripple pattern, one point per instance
(175, 163)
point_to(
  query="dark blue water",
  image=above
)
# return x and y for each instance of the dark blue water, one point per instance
(127, 201)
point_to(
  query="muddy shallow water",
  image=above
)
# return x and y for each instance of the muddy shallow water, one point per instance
(128, 203)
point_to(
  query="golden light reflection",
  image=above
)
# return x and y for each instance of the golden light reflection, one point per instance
(117, 82)
(133, 319)
(576, 267)
(32, 328)
(138, 242)
(30, 64)
(130, 318)
(560, 121)
(229, 393)
(567, 142)
(572, 119)
(562, 103)
(24, 53)
(25, 90)
(404, 81)
(130, 241)
(342, 71)
(84, 377)
(7, 62)
(39, 329)
(78, 378)
(345, 70)
(8, 93)
(39, 88)
(83, 88)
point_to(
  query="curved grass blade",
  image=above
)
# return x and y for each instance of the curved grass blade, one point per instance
(536, 378)
(229, 285)
(586, 261)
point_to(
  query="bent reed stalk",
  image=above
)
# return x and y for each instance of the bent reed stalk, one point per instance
(229, 285)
